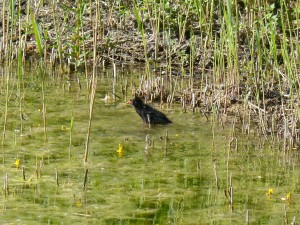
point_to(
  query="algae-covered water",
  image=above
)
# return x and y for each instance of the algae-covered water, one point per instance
(190, 172)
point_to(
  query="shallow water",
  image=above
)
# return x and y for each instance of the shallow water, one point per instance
(172, 183)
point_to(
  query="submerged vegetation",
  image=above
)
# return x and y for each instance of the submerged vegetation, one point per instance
(234, 61)
(225, 57)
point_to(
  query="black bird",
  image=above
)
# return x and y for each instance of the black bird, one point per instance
(147, 113)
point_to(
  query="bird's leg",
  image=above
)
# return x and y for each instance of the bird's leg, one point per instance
(148, 117)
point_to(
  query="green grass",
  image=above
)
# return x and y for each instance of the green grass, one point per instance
(231, 52)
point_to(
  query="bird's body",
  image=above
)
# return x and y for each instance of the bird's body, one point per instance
(147, 113)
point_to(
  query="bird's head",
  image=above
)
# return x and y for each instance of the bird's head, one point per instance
(136, 102)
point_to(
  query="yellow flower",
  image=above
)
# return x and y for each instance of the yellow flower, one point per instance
(120, 151)
(288, 196)
(270, 191)
(17, 163)
(78, 204)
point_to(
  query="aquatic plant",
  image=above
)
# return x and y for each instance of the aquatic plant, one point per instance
(214, 57)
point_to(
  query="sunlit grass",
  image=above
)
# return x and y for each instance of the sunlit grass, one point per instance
(219, 58)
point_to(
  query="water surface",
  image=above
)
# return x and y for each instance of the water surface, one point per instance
(182, 180)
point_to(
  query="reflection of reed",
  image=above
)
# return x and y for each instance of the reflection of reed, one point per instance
(165, 145)
(148, 146)
(6, 110)
(56, 177)
(85, 178)
(70, 137)
(23, 173)
(6, 188)
(44, 104)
